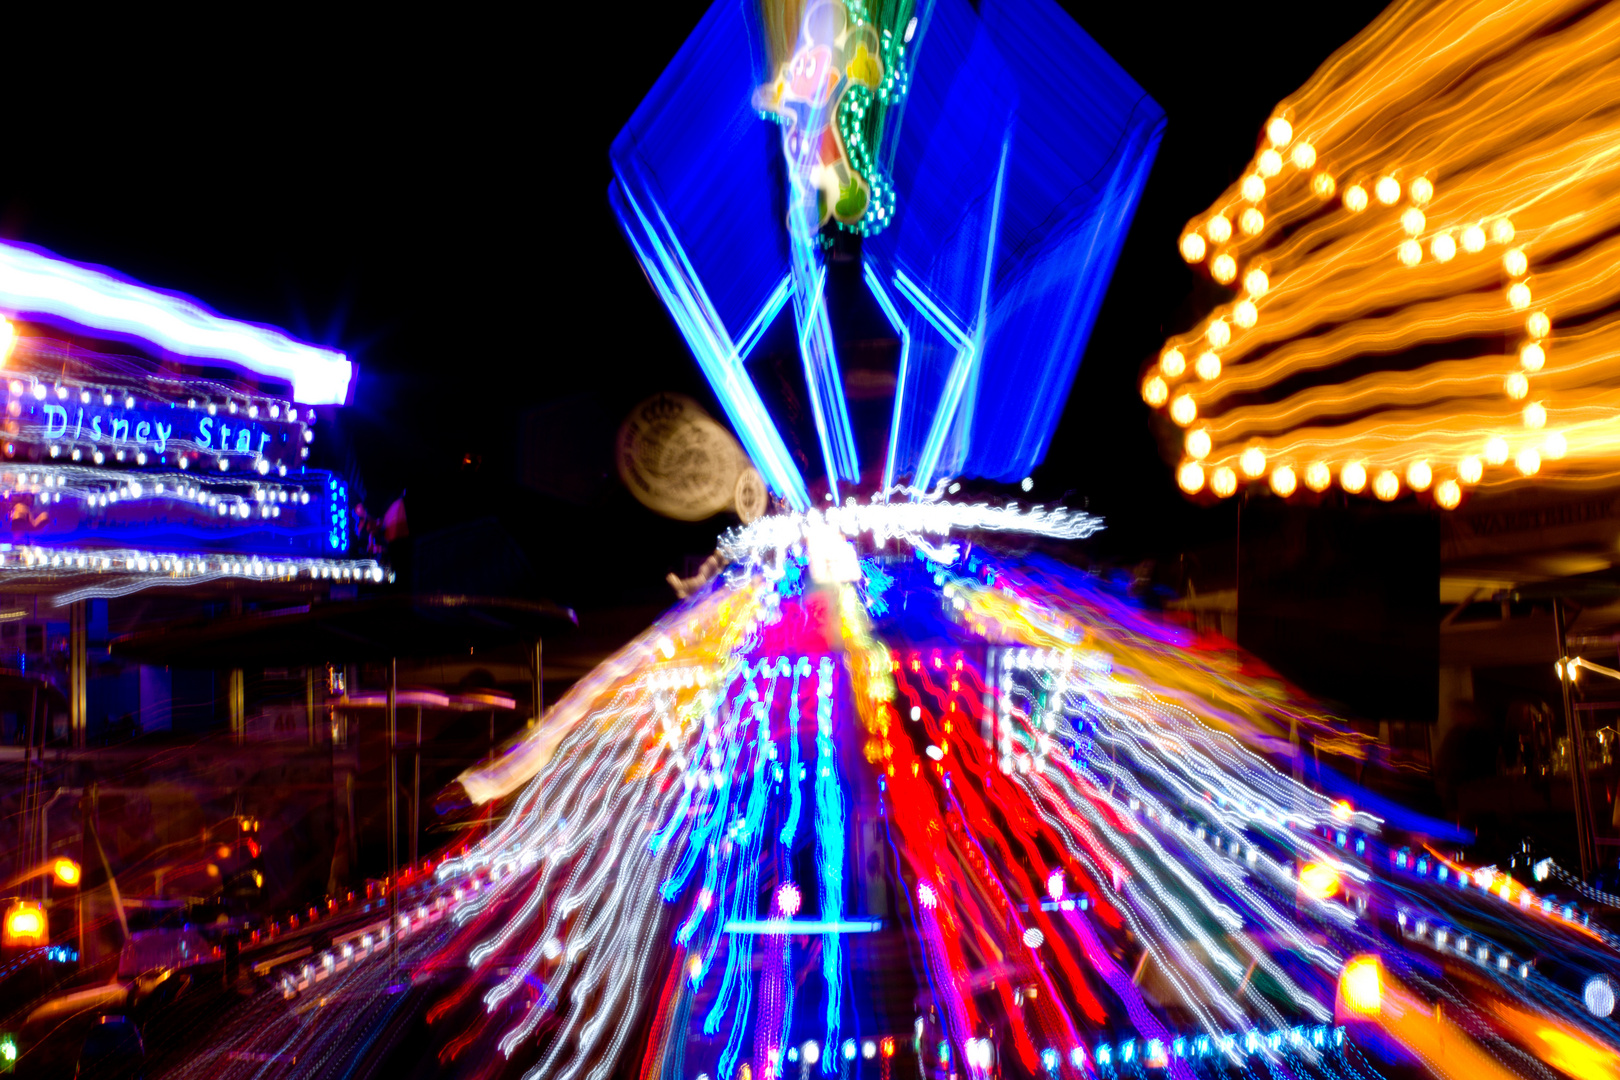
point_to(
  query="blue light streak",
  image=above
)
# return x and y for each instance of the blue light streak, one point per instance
(881, 295)
(767, 315)
(803, 926)
(829, 854)
(36, 284)
(821, 376)
(790, 827)
(962, 368)
(720, 360)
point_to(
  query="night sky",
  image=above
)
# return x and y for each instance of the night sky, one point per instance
(428, 194)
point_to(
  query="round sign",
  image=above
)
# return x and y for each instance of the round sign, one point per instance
(677, 460)
(750, 499)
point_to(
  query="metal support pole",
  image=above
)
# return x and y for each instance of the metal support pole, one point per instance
(309, 703)
(1577, 751)
(86, 808)
(537, 685)
(78, 673)
(416, 788)
(393, 810)
(25, 819)
(236, 690)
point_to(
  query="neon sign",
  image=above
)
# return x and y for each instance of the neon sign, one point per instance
(132, 431)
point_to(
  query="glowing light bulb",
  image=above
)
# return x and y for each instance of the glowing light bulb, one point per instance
(1473, 239)
(1251, 221)
(1386, 485)
(1538, 325)
(1502, 231)
(1256, 282)
(1355, 198)
(1470, 469)
(1269, 164)
(1219, 333)
(1208, 366)
(1252, 461)
(1318, 881)
(1218, 228)
(1279, 131)
(1598, 994)
(1496, 450)
(1516, 385)
(1304, 155)
(1283, 480)
(1172, 363)
(1190, 477)
(1410, 252)
(1443, 248)
(1419, 476)
(1528, 461)
(1253, 189)
(1535, 415)
(1223, 482)
(1223, 269)
(788, 899)
(1245, 314)
(1555, 447)
(1353, 477)
(1388, 190)
(1420, 191)
(1183, 411)
(1322, 186)
(1412, 220)
(1199, 443)
(24, 924)
(1318, 476)
(1361, 986)
(1192, 247)
(1155, 392)
(1448, 493)
(1515, 263)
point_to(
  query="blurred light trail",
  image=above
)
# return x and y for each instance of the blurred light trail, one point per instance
(1421, 260)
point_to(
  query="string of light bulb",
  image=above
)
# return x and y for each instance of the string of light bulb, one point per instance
(1415, 219)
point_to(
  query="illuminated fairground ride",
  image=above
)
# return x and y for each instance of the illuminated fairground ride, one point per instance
(1421, 260)
(886, 799)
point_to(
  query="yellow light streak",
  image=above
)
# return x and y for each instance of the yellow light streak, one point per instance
(1475, 152)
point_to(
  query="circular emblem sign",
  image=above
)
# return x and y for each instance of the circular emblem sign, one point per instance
(750, 499)
(677, 460)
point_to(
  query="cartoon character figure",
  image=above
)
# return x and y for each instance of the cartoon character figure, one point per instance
(834, 55)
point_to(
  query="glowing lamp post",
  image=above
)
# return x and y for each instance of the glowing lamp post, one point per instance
(24, 926)
(66, 872)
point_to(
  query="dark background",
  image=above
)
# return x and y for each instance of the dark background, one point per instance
(428, 194)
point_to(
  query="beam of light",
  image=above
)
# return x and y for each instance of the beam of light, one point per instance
(37, 285)
(803, 926)
(721, 361)
(956, 384)
(829, 852)
(875, 284)
(1425, 277)
(821, 378)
